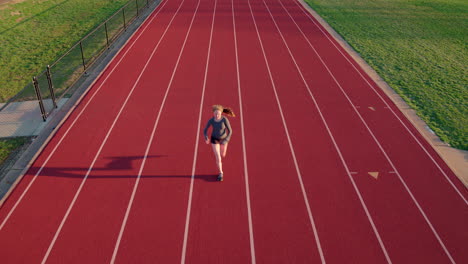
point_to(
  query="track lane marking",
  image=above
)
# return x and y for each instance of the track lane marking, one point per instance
(150, 142)
(304, 193)
(195, 153)
(371, 221)
(441, 243)
(246, 171)
(57, 233)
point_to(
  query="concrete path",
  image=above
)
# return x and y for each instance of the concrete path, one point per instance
(24, 118)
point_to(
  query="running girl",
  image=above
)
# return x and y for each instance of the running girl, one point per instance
(220, 134)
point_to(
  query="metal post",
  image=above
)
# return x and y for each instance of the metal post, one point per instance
(123, 12)
(82, 57)
(51, 86)
(147, 3)
(107, 35)
(136, 2)
(39, 98)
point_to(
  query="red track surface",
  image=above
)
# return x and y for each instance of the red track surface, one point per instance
(128, 178)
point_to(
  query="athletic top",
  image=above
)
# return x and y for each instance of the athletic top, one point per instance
(219, 129)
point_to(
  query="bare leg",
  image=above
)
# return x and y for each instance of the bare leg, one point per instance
(216, 151)
(223, 150)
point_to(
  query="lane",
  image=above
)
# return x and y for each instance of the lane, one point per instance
(155, 227)
(218, 222)
(33, 221)
(341, 219)
(418, 172)
(91, 229)
(280, 217)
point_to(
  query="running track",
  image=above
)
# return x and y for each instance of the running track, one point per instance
(127, 178)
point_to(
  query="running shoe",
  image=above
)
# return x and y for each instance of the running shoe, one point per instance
(220, 177)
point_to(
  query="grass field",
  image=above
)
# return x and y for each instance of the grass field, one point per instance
(419, 47)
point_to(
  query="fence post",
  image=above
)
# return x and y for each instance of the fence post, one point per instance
(39, 98)
(51, 86)
(82, 57)
(107, 35)
(136, 2)
(123, 12)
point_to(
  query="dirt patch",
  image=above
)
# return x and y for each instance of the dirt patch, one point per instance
(10, 1)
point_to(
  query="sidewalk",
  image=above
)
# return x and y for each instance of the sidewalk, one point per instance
(22, 119)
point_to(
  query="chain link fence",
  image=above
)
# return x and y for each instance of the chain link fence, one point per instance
(24, 113)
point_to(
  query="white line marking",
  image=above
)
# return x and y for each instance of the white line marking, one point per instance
(189, 205)
(311, 218)
(375, 139)
(103, 143)
(376, 232)
(385, 102)
(150, 142)
(246, 171)
(76, 118)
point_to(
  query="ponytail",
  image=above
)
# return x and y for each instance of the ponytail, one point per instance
(228, 111)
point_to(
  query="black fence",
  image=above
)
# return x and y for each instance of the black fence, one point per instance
(58, 80)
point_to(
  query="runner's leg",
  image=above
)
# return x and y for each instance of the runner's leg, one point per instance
(216, 151)
(223, 150)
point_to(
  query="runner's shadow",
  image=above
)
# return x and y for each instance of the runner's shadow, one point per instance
(126, 162)
(109, 171)
(79, 173)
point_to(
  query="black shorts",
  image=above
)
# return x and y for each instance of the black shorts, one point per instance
(217, 141)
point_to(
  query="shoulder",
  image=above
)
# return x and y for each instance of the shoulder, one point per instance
(225, 119)
(210, 122)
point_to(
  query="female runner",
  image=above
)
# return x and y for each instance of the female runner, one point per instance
(220, 134)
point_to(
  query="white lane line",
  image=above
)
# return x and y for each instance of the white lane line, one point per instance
(388, 106)
(371, 221)
(377, 142)
(306, 200)
(195, 152)
(104, 142)
(77, 117)
(246, 171)
(150, 142)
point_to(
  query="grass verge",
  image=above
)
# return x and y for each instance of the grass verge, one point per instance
(8, 146)
(419, 48)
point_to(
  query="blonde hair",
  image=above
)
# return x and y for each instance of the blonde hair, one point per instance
(226, 110)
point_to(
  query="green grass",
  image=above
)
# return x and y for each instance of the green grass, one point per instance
(419, 47)
(9, 145)
(34, 33)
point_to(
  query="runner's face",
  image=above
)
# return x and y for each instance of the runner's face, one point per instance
(217, 114)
